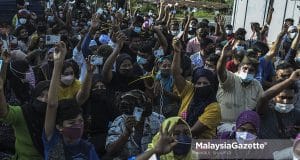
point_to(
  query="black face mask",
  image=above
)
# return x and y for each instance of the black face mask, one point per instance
(99, 94)
(41, 29)
(203, 92)
(192, 31)
(127, 72)
(39, 106)
(51, 64)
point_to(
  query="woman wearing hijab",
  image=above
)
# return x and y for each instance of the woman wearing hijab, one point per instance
(247, 127)
(28, 128)
(123, 78)
(173, 142)
(199, 106)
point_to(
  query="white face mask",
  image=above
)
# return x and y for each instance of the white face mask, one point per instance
(67, 80)
(22, 20)
(283, 108)
(229, 32)
(174, 33)
(293, 35)
(159, 53)
(140, 60)
(50, 18)
(244, 137)
(246, 77)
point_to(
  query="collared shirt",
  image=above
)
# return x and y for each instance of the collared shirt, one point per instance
(234, 98)
(193, 45)
(131, 148)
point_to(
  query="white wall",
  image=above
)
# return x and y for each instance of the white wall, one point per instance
(257, 12)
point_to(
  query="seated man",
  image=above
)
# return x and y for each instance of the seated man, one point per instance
(130, 133)
(279, 118)
(237, 92)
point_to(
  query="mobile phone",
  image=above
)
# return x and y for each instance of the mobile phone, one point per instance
(52, 39)
(137, 113)
(1, 63)
(96, 60)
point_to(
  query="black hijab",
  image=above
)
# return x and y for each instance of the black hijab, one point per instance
(34, 114)
(198, 103)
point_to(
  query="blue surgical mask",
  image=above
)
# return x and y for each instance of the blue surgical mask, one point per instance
(159, 53)
(183, 146)
(246, 77)
(283, 108)
(240, 48)
(297, 60)
(140, 60)
(244, 137)
(137, 29)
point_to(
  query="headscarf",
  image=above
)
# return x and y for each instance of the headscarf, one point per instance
(170, 156)
(198, 104)
(167, 82)
(248, 117)
(120, 59)
(35, 124)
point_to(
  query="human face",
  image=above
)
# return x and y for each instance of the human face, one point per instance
(201, 33)
(247, 127)
(166, 64)
(71, 122)
(43, 97)
(282, 74)
(201, 82)
(210, 66)
(99, 85)
(285, 97)
(193, 23)
(23, 33)
(125, 65)
(181, 129)
(246, 68)
(174, 27)
(42, 43)
(68, 71)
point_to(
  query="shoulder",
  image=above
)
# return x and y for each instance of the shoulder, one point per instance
(156, 117)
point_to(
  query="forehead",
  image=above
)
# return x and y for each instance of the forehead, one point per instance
(126, 62)
(247, 126)
(69, 69)
(202, 79)
(286, 93)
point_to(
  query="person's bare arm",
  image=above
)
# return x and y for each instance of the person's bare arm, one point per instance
(162, 39)
(262, 104)
(221, 64)
(296, 41)
(179, 80)
(50, 119)
(275, 47)
(3, 104)
(186, 28)
(198, 128)
(107, 67)
(84, 92)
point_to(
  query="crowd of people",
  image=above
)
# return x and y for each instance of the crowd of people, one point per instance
(85, 83)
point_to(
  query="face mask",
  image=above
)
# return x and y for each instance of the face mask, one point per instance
(50, 18)
(127, 72)
(246, 77)
(61, 15)
(245, 137)
(74, 132)
(297, 61)
(67, 80)
(229, 32)
(159, 53)
(140, 60)
(174, 33)
(203, 92)
(239, 48)
(39, 106)
(22, 20)
(89, 23)
(183, 146)
(98, 94)
(283, 108)
(137, 29)
(293, 35)
(165, 72)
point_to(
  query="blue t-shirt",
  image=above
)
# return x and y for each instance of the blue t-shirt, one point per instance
(55, 149)
(265, 71)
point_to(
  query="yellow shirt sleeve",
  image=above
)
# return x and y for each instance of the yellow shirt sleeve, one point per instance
(211, 117)
(186, 96)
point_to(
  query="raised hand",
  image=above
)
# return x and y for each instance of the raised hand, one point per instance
(120, 37)
(295, 76)
(166, 142)
(130, 124)
(176, 43)
(5, 56)
(95, 21)
(60, 52)
(285, 28)
(90, 66)
(228, 48)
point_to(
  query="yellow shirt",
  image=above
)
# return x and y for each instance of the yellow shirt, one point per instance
(211, 116)
(70, 91)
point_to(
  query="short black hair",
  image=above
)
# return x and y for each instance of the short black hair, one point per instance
(71, 63)
(229, 26)
(289, 19)
(240, 34)
(67, 109)
(260, 47)
(284, 65)
(213, 58)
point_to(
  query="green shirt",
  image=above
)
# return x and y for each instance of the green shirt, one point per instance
(25, 149)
